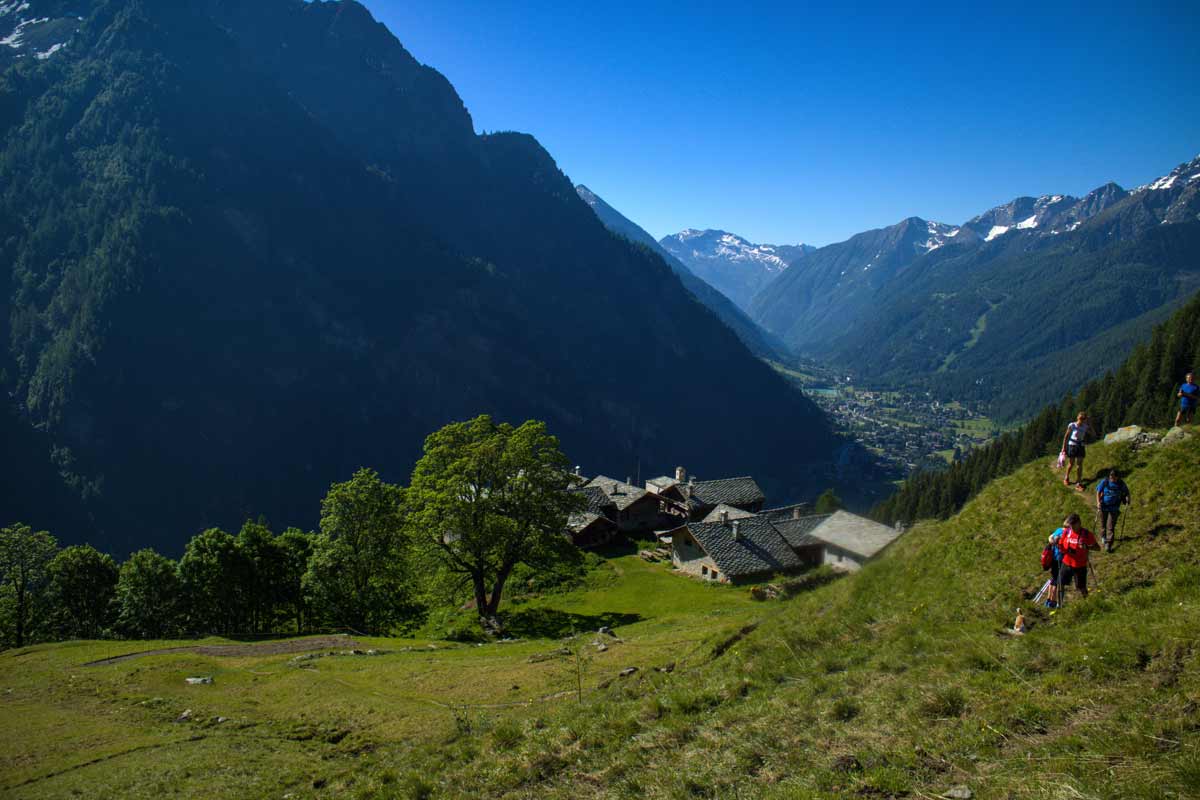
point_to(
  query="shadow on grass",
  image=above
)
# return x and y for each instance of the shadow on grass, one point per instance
(549, 623)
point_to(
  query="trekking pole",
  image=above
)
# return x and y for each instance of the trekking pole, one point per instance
(1045, 588)
(1095, 577)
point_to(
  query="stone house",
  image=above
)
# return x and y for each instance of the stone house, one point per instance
(701, 497)
(595, 525)
(850, 540)
(636, 510)
(732, 550)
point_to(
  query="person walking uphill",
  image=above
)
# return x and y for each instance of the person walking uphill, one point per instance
(1074, 542)
(1189, 396)
(1111, 494)
(1073, 445)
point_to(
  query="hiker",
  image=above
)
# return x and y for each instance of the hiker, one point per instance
(1052, 561)
(1111, 494)
(1074, 542)
(1189, 395)
(1073, 445)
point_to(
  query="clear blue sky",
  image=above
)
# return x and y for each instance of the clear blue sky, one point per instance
(788, 124)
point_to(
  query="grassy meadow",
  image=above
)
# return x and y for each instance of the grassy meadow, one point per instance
(898, 682)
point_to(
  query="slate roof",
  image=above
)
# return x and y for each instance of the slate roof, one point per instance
(619, 493)
(732, 491)
(732, 511)
(597, 499)
(761, 549)
(662, 482)
(800, 532)
(855, 534)
(580, 520)
(788, 512)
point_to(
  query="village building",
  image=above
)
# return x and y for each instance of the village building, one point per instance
(595, 525)
(851, 540)
(701, 497)
(733, 546)
(636, 510)
(732, 551)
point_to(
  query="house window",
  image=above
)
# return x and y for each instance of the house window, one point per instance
(704, 571)
(716, 575)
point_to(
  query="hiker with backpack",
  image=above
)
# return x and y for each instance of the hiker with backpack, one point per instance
(1051, 562)
(1111, 494)
(1189, 396)
(1074, 447)
(1074, 542)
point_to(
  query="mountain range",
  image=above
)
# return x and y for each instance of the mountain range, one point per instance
(1013, 307)
(252, 246)
(738, 268)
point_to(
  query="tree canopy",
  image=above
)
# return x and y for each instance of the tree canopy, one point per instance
(486, 497)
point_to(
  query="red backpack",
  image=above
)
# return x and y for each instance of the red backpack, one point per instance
(1047, 557)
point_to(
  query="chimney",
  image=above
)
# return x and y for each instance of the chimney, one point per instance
(680, 474)
(796, 513)
(737, 530)
(629, 480)
(724, 517)
(579, 471)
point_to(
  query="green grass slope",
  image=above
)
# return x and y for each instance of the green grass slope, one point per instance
(897, 682)
(296, 727)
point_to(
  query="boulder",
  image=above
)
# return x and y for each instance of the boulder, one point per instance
(199, 681)
(1126, 434)
(959, 793)
(1176, 434)
(185, 716)
(625, 673)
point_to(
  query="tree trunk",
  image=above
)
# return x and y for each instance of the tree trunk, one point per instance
(481, 598)
(493, 603)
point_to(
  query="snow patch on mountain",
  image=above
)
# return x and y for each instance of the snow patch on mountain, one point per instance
(724, 246)
(997, 230)
(1025, 224)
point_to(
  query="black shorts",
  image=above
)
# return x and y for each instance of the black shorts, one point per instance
(1076, 450)
(1054, 568)
(1077, 574)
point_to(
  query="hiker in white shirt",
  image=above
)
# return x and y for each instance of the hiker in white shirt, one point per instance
(1073, 445)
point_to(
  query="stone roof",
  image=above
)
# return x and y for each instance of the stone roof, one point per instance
(760, 548)
(732, 511)
(597, 499)
(582, 520)
(741, 491)
(799, 532)
(620, 494)
(788, 512)
(662, 481)
(855, 534)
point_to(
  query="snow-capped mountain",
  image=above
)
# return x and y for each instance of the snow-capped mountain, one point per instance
(36, 28)
(737, 267)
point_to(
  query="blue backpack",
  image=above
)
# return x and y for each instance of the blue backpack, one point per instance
(1111, 494)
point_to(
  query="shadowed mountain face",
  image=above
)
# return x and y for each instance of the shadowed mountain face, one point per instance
(254, 246)
(1015, 307)
(759, 341)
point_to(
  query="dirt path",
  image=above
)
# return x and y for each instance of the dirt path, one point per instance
(240, 650)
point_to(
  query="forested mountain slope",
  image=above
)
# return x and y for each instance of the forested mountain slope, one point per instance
(754, 337)
(1013, 308)
(1141, 391)
(254, 246)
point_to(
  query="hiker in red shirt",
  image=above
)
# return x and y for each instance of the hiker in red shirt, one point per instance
(1075, 543)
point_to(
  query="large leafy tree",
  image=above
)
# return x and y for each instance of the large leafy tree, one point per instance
(296, 547)
(148, 596)
(357, 576)
(25, 557)
(264, 562)
(215, 578)
(83, 585)
(486, 497)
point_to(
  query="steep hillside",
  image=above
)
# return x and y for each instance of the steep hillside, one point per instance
(899, 681)
(759, 341)
(740, 269)
(902, 681)
(1013, 308)
(257, 245)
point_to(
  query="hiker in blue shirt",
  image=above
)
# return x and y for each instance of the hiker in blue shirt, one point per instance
(1189, 395)
(1111, 494)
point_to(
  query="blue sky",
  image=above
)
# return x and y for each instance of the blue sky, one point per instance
(786, 123)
